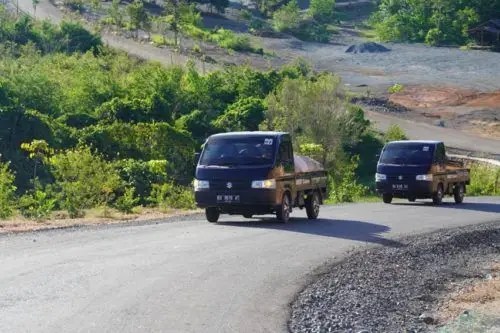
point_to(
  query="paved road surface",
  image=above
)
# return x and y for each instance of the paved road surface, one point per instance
(193, 276)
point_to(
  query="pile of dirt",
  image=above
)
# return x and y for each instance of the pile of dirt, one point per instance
(369, 47)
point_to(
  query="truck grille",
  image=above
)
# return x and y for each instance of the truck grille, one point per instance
(399, 178)
(229, 185)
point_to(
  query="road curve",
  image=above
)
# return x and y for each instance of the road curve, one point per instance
(193, 276)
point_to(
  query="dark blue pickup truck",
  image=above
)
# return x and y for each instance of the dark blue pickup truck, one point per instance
(419, 170)
(256, 173)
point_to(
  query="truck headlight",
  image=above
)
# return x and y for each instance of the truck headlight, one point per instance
(201, 184)
(380, 177)
(266, 184)
(427, 178)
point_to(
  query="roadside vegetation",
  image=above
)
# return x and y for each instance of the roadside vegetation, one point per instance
(83, 127)
(440, 22)
(485, 180)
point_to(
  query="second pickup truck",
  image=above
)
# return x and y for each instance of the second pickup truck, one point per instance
(419, 170)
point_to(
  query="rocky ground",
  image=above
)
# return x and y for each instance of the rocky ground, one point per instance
(399, 289)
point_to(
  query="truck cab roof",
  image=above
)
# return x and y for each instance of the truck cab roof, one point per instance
(426, 142)
(229, 135)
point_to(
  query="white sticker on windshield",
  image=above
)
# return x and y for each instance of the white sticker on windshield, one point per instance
(268, 142)
(425, 148)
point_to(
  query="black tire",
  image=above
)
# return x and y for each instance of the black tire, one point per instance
(283, 211)
(459, 193)
(312, 206)
(247, 216)
(212, 214)
(387, 198)
(412, 199)
(437, 197)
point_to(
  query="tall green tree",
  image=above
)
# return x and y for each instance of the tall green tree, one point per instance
(316, 111)
(138, 16)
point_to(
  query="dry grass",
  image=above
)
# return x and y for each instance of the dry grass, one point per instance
(483, 297)
(97, 216)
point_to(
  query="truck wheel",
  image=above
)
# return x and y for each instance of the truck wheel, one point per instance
(437, 197)
(247, 216)
(387, 198)
(412, 199)
(212, 214)
(458, 193)
(312, 206)
(283, 211)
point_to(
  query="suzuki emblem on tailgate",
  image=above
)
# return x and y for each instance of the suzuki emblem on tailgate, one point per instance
(400, 177)
(229, 185)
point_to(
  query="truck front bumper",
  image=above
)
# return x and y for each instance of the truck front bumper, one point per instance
(249, 201)
(407, 189)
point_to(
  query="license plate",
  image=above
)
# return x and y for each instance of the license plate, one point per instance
(400, 187)
(228, 198)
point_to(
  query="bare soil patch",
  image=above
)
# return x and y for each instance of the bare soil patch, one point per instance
(433, 97)
(93, 217)
(481, 295)
(474, 306)
(464, 109)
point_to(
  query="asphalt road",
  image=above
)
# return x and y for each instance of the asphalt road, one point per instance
(192, 276)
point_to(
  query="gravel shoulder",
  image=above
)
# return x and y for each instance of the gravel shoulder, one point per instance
(394, 289)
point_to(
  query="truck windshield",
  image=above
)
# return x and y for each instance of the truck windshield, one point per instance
(407, 154)
(238, 151)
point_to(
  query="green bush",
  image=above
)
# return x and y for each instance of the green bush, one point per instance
(395, 88)
(7, 190)
(322, 10)
(312, 31)
(395, 133)
(160, 40)
(140, 175)
(287, 17)
(170, 196)
(85, 179)
(246, 114)
(484, 180)
(344, 187)
(246, 15)
(231, 41)
(37, 205)
(257, 26)
(312, 150)
(127, 201)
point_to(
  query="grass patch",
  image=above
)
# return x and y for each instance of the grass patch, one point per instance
(224, 38)
(484, 180)
(160, 40)
(368, 34)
